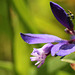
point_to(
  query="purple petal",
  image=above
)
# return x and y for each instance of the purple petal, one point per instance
(73, 37)
(41, 64)
(47, 48)
(61, 15)
(66, 49)
(56, 48)
(39, 38)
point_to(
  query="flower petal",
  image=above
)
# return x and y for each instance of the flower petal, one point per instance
(61, 15)
(66, 49)
(39, 38)
(41, 64)
(47, 48)
(72, 36)
(56, 48)
(33, 58)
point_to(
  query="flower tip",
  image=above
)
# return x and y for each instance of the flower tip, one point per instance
(21, 34)
(51, 2)
(38, 67)
(24, 37)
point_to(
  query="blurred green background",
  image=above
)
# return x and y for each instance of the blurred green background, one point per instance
(30, 16)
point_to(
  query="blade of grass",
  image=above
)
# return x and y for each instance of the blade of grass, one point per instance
(6, 65)
(21, 51)
(24, 13)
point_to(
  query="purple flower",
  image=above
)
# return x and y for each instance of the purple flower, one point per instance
(61, 15)
(41, 54)
(61, 48)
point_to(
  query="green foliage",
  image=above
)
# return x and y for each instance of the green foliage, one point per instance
(29, 16)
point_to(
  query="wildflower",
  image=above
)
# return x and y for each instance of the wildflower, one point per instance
(41, 54)
(61, 48)
(61, 15)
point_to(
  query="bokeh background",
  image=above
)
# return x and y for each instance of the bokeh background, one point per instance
(30, 16)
